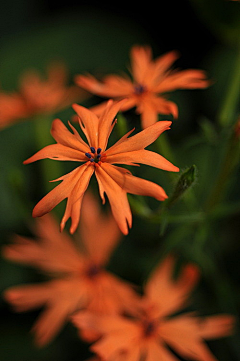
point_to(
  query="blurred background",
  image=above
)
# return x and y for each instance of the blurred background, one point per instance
(96, 37)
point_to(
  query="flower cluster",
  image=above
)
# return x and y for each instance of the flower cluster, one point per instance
(111, 313)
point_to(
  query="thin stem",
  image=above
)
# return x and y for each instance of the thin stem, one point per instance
(231, 100)
(229, 163)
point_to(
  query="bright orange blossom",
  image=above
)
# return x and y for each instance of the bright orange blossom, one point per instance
(149, 78)
(147, 336)
(113, 180)
(38, 95)
(78, 279)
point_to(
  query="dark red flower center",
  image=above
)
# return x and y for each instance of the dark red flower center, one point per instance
(139, 89)
(149, 328)
(93, 270)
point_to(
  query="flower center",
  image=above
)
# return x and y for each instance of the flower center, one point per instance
(149, 328)
(95, 156)
(93, 271)
(139, 89)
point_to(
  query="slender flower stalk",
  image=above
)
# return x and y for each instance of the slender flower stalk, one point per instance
(149, 335)
(76, 270)
(146, 87)
(113, 180)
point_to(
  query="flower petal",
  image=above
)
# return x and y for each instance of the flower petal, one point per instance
(112, 86)
(56, 195)
(89, 123)
(106, 230)
(49, 323)
(185, 79)
(141, 57)
(75, 197)
(57, 152)
(106, 122)
(134, 185)
(181, 333)
(27, 297)
(156, 351)
(168, 293)
(216, 326)
(63, 136)
(117, 198)
(143, 156)
(141, 139)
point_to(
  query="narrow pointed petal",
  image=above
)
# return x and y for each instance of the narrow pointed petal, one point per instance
(49, 323)
(168, 293)
(143, 157)
(134, 185)
(185, 79)
(106, 122)
(57, 152)
(141, 139)
(156, 351)
(115, 86)
(63, 136)
(212, 327)
(117, 198)
(106, 228)
(148, 114)
(27, 297)
(60, 192)
(112, 86)
(181, 333)
(75, 197)
(164, 62)
(89, 123)
(141, 57)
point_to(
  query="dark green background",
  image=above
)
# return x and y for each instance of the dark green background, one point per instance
(96, 37)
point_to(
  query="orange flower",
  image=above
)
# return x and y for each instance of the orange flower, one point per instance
(115, 181)
(12, 108)
(149, 78)
(38, 96)
(79, 279)
(145, 337)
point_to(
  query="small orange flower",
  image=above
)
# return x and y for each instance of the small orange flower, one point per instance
(115, 181)
(38, 95)
(12, 108)
(79, 279)
(149, 78)
(145, 337)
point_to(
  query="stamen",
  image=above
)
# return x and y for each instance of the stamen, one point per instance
(99, 150)
(99, 156)
(149, 328)
(93, 150)
(88, 155)
(93, 271)
(139, 89)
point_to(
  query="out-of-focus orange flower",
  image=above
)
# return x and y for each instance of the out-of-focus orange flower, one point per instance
(12, 108)
(39, 95)
(78, 277)
(113, 180)
(149, 78)
(145, 337)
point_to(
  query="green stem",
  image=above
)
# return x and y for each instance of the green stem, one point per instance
(230, 162)
(231, 100)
